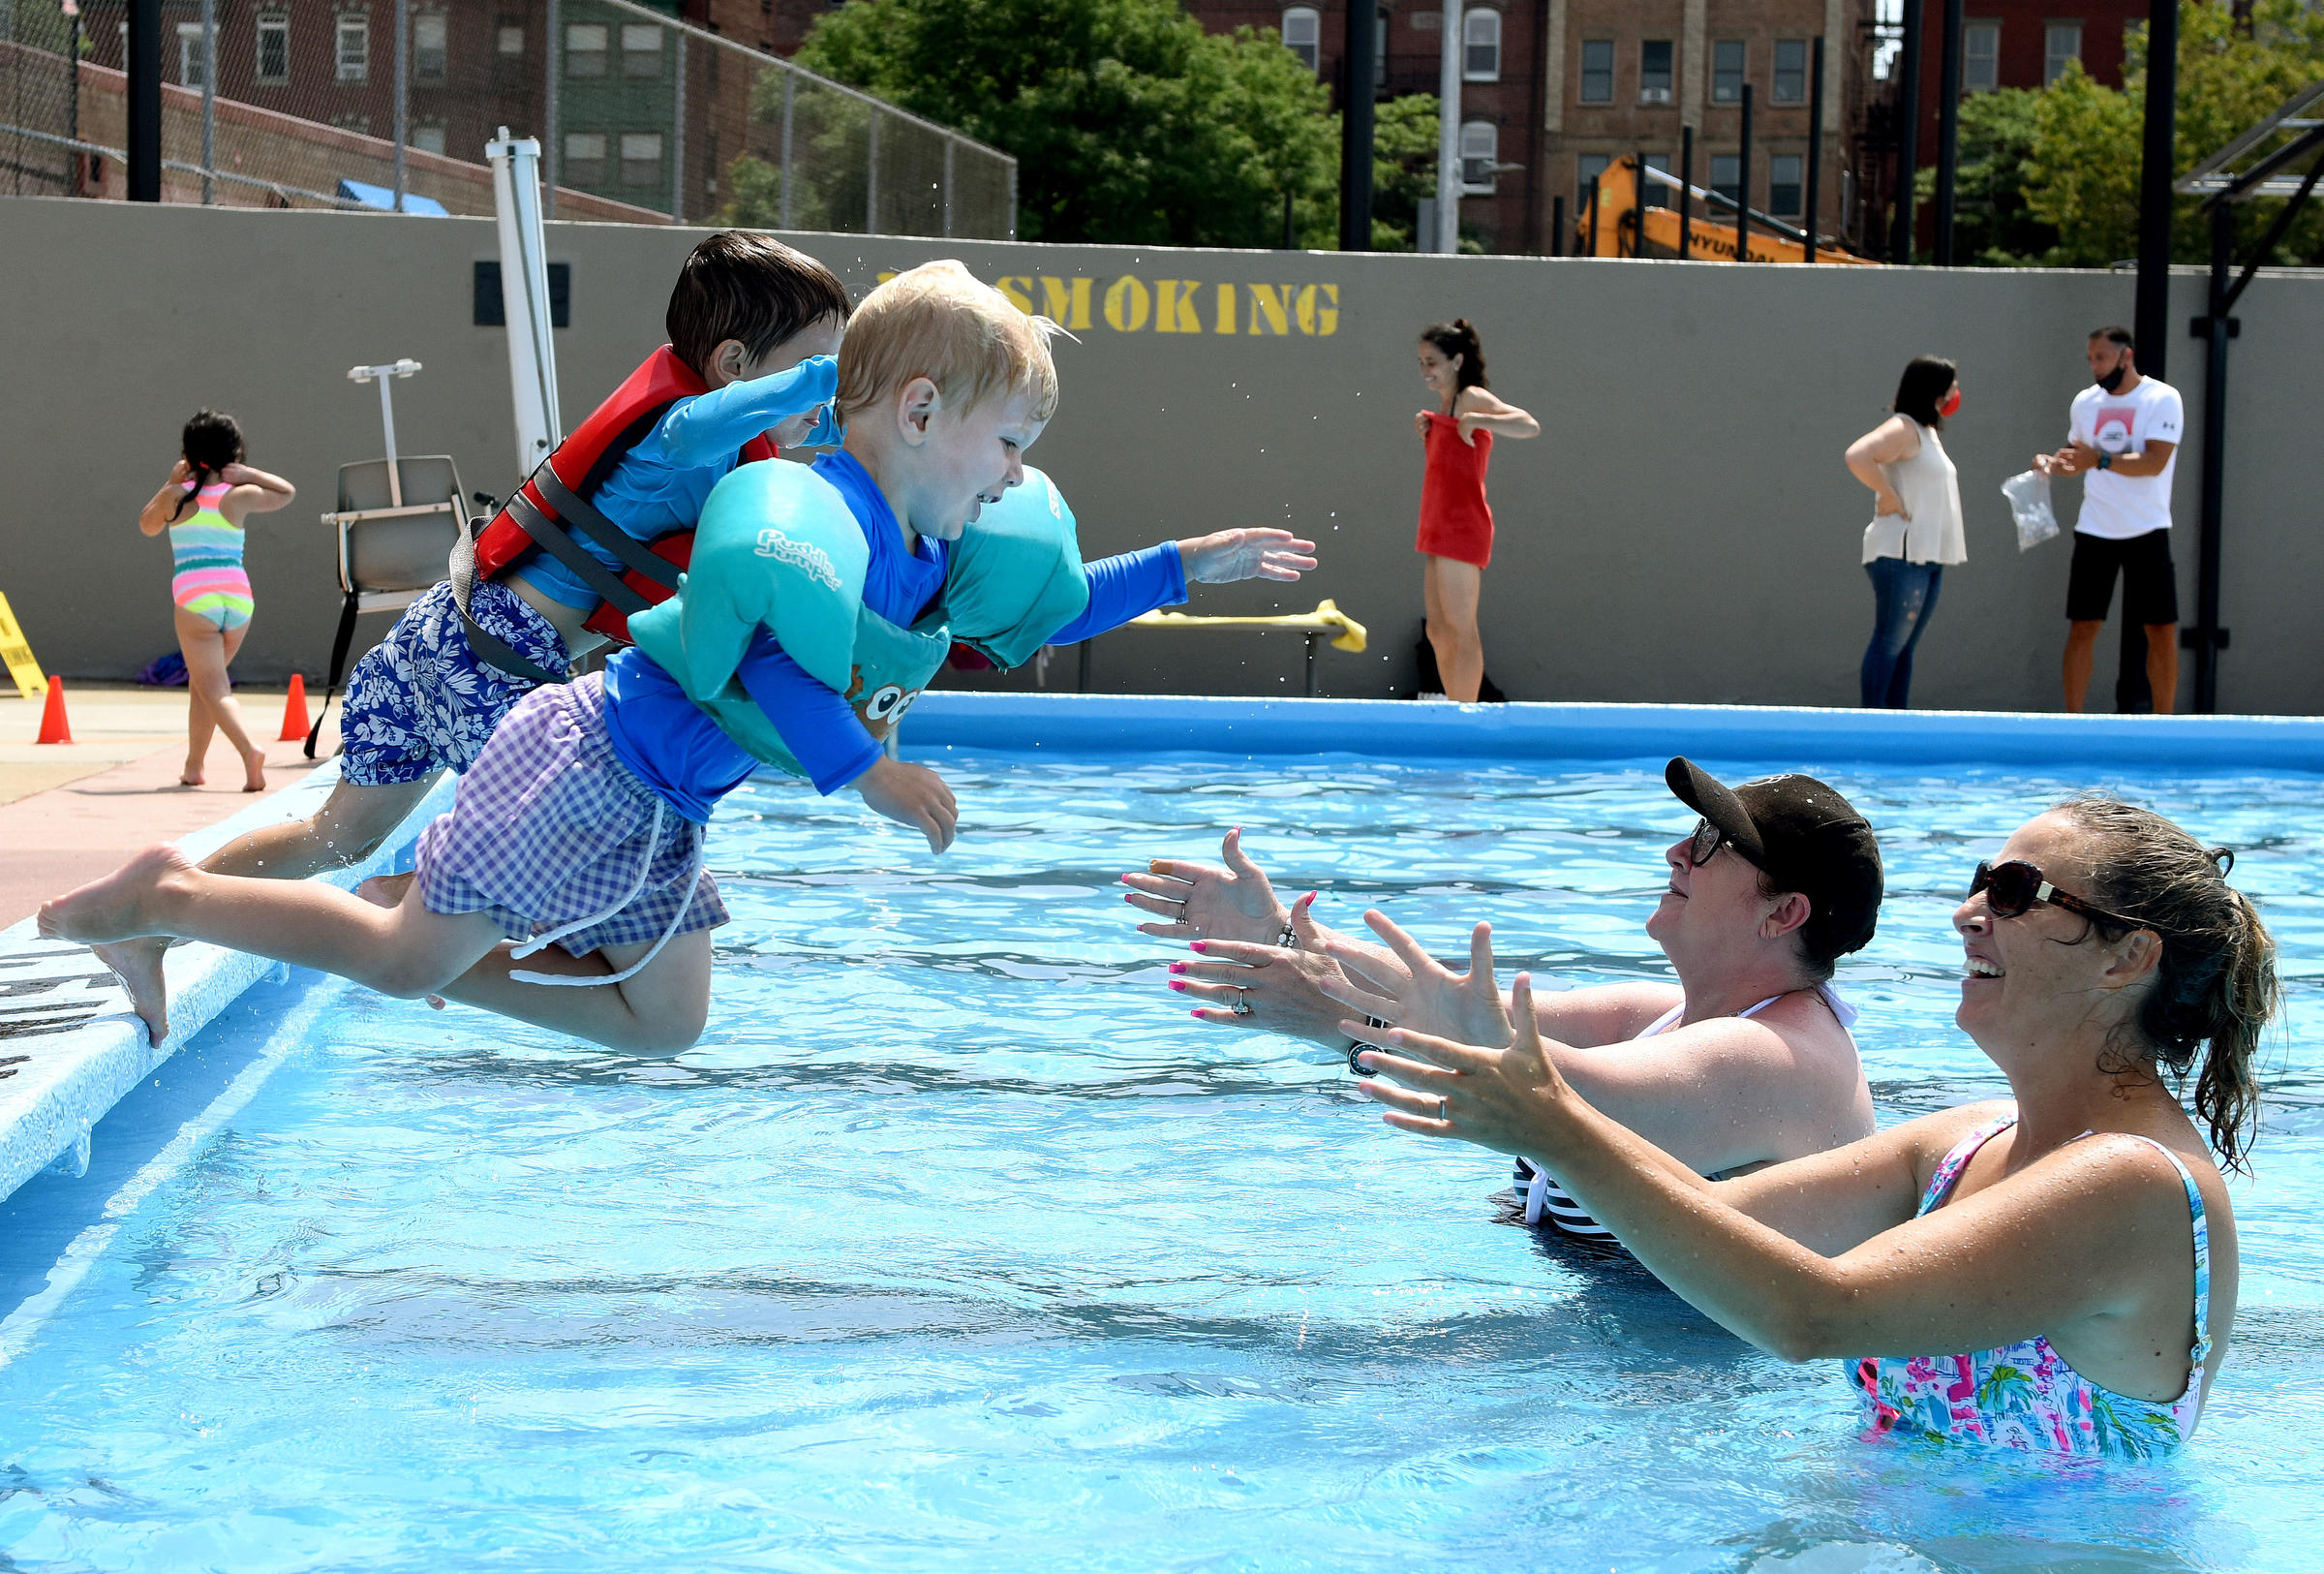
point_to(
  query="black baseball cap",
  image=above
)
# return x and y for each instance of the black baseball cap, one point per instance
(1807, 838)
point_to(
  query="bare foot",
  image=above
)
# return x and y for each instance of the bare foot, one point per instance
(138, 964)
(191, 776)
(385, 890)
(118, 906)
(254, 771)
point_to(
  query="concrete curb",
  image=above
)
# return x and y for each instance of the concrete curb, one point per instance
(69, 1048)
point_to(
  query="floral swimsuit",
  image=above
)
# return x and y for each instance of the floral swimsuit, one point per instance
(2024, 1396)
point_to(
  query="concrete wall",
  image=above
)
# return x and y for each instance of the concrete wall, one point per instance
(1683, 530)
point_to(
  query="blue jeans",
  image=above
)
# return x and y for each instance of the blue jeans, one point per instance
(1902, 596)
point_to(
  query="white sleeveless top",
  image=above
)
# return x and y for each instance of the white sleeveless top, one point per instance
(1545, 1198)
(1929, 531)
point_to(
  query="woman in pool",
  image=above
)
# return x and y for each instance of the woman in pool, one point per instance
(2056, 1272)
(1456, 524)
(1915, 528)
(203, 505)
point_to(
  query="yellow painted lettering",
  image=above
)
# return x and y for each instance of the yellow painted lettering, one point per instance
(1226, 308)
(1070, 309)
(885, 274)
(1127, 304)
(1018, 291)
(1317, 310)
(1273, 304)
(1174, 311)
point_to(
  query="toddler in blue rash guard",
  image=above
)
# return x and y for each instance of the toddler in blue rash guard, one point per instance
(798, 642)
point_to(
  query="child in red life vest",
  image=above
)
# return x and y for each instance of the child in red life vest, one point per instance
(753, 326)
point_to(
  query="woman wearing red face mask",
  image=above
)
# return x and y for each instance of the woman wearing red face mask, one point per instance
(1915, 527)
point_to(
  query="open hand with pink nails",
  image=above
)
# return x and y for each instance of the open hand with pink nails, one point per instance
(1421, 992)
(1200, 901)
(1509, 1098)
(1269, 987)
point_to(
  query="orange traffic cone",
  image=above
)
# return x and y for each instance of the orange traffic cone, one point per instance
(294, 710)
(54, 729)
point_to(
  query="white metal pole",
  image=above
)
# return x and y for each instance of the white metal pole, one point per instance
(525, 297)
(209, 100)
(1448, 133)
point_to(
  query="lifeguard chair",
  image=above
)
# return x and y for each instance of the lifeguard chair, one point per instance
(397, 520)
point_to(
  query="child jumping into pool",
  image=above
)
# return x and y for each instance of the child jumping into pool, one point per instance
(752, 326)
(820, 603)
(210, 493)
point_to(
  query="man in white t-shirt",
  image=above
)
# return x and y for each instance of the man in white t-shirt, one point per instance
(2124, 434)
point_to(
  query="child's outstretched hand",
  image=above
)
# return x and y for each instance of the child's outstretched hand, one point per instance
(1229, 555)
(911, 795)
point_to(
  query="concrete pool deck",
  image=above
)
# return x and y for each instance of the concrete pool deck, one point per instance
(69, 812)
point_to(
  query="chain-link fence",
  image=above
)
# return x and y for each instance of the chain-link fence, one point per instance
(642, 118)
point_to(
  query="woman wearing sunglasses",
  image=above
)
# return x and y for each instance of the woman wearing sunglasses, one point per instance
(2055, 1273)
(1747, 1061)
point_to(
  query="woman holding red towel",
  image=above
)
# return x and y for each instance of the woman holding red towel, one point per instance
(1456, 524)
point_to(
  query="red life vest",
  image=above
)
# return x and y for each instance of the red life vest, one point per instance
(543, 515)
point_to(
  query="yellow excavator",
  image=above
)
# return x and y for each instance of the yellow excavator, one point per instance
(1613, 222)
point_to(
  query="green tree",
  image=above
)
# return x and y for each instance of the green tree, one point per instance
(1994, 224)
(2081, 174)
(1130, 124)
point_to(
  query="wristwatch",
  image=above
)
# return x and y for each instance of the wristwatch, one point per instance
(2106, 461)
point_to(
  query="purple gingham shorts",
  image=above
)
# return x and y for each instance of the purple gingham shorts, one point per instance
(549, 827)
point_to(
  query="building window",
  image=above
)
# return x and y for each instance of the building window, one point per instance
(2061, 47)
(353, 51)
(1588, 168)
(1726, 175)
(1980, 56)
(1379, 51)
(1790, 70)
(428, 138)
(1654, 71)
(641, 158)
(1598, 71)
(1727, 71)
(1479, 151)
(1480, 45)
(508, 63)
(1784, 185)
(585, 49)
(191, 58)
(428, 32)
(1658, 194)
(1303, 35)
(273, 65)
(584, 159)
(641, 49)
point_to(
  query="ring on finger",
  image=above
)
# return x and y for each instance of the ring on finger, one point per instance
(1443, 1108)
(1242, 1006)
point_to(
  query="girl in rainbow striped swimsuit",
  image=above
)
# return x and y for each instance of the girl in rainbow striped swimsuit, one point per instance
(210, 589)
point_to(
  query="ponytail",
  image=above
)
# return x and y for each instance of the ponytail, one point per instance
(210, 442)
(2215, 986)
(1458, 338)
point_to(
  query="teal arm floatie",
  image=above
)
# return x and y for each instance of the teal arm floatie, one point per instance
(1016, 577)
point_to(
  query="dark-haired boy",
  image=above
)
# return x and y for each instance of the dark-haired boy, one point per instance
(753, 326)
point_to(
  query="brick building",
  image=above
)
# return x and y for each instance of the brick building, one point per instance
(2022, 44)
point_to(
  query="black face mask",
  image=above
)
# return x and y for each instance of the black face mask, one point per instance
(2112, 380)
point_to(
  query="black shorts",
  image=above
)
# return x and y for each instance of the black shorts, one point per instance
(2149, 582)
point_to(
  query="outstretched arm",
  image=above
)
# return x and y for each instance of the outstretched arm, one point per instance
(710, 427)
(2068, 1237)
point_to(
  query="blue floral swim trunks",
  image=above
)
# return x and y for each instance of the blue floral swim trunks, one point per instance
(421, 702)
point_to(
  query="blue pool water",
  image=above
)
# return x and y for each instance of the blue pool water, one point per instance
(958, 1244)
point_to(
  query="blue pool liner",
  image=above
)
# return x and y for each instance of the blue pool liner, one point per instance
(69, 1048)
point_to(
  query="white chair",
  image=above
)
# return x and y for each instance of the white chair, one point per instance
(396, 528)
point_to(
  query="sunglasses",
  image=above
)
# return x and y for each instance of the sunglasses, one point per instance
(2013, 887)
(1704, 845)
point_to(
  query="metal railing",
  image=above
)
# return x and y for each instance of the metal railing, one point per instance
(643, 118)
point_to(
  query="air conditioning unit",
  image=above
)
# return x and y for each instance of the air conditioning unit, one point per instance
(1654, 95)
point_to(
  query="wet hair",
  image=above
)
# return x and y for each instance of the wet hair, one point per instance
(211, 441)
(2215, 986)
(1927, 380)
(939, 322)
(2112, 333)
(738, 284)
(1458, 338)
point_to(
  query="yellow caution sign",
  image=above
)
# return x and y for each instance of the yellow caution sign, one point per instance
(18, 656)
(1325, 619)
